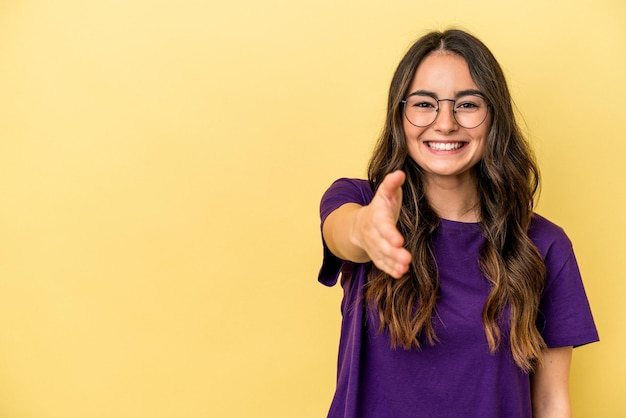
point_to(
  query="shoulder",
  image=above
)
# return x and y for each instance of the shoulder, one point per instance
(555, 247)
(345, 190)
(351, 186)
(549, 238)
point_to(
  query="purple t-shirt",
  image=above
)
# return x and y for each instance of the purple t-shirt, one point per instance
(458, 376)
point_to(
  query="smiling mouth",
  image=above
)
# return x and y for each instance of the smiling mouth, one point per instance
(445, 146)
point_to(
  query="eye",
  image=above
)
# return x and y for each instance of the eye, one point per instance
(468, 104)
(422, 103)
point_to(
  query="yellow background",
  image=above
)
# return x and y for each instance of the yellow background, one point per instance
(161, 164)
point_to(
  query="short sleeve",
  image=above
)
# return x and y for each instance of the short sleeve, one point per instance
(565, 317)
(338, 194)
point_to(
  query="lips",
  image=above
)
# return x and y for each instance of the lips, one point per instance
(445, 146)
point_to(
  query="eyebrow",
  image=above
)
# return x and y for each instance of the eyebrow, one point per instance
(468, 92)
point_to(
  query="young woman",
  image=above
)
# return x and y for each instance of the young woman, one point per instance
(459, 300)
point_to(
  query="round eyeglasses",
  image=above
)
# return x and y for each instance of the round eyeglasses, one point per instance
(422, 109)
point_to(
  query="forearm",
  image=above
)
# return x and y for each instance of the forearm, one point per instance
(552, 409)
(550, 385)
(339, 232)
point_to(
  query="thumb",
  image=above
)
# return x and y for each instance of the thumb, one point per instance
(390, 190)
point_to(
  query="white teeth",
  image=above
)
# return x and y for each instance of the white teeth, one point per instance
(445, 146)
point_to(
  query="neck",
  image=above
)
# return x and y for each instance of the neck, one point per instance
(455, 199)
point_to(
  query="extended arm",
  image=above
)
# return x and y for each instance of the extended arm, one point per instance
(550, 385)
(368, 233)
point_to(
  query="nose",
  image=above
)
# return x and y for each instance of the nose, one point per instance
(445, 121)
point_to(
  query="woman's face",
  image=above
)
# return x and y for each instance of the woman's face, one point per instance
(444, 149)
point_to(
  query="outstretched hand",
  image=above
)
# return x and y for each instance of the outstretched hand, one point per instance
(377, 231)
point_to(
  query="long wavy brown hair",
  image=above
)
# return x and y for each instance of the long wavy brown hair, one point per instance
(507, 181)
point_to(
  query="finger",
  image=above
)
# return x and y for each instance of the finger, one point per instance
(388, 232)
(394, 180)
(391, 259)
(399, 263)
(391, 186)
(393, 268)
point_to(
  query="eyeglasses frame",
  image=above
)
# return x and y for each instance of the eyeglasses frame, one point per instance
(403, 102)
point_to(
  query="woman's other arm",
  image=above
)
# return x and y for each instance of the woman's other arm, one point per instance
(550, 385)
